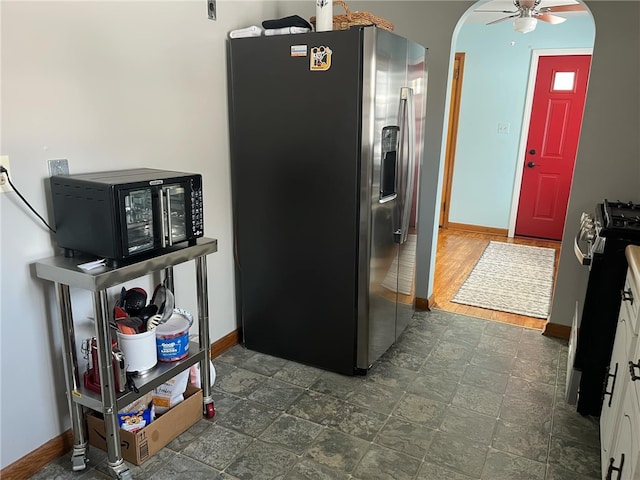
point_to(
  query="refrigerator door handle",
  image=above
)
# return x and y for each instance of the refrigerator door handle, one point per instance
(406, 166)
(163, 232)
(169, 234)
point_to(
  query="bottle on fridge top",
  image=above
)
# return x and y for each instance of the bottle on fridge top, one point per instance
(324, 15)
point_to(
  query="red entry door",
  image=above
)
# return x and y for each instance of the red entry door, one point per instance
(552, 143)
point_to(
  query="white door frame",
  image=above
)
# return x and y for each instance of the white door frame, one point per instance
(526, 119)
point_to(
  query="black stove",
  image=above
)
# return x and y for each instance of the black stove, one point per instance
(622, 217)
(612, 227)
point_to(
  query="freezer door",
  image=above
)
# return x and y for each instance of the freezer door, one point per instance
(386, 189)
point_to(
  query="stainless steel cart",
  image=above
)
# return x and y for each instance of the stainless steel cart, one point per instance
(65, 273)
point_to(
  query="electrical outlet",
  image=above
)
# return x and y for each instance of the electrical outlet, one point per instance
(58, 167)
(211, 7)
(4, 183)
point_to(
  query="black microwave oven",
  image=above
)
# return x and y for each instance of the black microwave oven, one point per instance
(118, 215)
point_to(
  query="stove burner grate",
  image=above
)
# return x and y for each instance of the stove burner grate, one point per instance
(623, 206)
(626, 222)
(622, 215)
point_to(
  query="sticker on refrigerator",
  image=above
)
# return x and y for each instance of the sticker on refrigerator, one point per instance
(298, 50)
(320, 59)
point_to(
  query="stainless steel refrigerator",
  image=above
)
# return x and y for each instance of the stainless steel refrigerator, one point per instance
(327, 133)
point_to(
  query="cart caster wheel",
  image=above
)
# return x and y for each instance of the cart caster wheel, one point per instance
(78, 463)
(125, 475)
(209, 410)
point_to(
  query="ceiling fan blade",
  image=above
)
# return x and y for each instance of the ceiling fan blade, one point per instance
(564, 8)
(496, 11)
(503, 19)
(552, 19)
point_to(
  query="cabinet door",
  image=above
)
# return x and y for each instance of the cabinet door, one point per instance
(633, 394)
(631, 299)
(623, 460)
(615, 386)
(634, 371)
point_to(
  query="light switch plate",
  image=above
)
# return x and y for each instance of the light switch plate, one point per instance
(503, 128)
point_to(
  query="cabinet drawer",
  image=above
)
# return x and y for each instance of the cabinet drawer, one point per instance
(631, 300)
(626, 451)
(634, 385)
(615, 382)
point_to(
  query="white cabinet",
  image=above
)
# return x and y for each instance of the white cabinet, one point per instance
(626, 448)
(620, 418)
(615, 382)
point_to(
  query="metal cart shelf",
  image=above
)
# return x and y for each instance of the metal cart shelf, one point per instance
(65, 273)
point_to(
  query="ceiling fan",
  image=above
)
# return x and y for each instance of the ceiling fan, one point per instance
(528, 12)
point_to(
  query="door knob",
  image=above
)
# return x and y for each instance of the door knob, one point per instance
(532, 151)
(531, 164)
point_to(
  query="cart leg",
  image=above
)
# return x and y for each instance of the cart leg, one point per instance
(203, 334)
(71, 377)
(107, 382)
(168, 278)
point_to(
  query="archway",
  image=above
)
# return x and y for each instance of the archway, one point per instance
(488, 162)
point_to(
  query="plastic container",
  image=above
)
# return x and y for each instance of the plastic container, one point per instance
(139, 351)
(172, 337)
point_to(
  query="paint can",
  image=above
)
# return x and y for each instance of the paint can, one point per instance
(172, 337)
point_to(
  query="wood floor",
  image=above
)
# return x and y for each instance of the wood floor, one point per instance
(458, 251)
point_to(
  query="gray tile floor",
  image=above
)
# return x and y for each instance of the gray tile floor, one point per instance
(456, 398)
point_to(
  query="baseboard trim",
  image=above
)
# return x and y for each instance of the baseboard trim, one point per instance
(28, 465)
(503, 232)
(225, 343)
(557, 330)
(425, 304)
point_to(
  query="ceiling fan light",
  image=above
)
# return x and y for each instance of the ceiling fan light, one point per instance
(524, 24)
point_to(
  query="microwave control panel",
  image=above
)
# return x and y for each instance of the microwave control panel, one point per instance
(197, 213)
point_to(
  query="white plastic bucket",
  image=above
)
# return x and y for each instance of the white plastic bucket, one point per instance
(139, 351)
(172, 337)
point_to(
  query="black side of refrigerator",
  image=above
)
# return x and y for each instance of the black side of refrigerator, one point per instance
(295, 165)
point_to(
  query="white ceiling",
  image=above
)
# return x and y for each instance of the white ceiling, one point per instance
(500, 5)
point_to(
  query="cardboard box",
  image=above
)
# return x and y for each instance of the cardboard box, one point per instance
(138, 447)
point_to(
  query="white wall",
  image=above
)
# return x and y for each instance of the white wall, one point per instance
(106, 85)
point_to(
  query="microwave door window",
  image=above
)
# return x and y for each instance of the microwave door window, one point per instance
(175, 213)
(139, 217)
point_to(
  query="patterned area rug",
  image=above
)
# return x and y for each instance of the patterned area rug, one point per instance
(511, 278)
